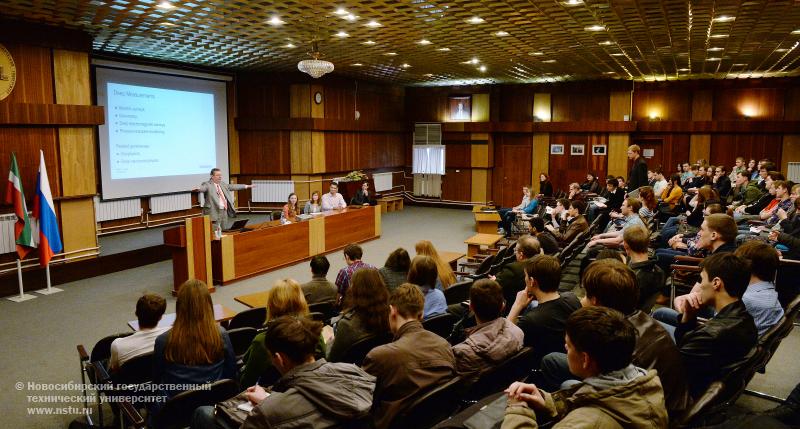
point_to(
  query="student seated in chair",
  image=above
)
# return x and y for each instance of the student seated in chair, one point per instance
(512, 276)
(614, 393)
(319, 289)
(494, 338)
(310, 393)
(149, 309)
(415, 362)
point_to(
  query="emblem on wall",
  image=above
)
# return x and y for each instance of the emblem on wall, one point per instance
(8, 73)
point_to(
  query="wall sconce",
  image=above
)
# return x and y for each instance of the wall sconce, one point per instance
(541, 116)
(748, 111)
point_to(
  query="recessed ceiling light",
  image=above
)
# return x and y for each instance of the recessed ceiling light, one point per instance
(717, 49)
(724, 18)
(536, 54)
(405, 65)
(482, 68)
(350, 17)
(342, 34)
(572, 3)
(290, 45)
(781, 50)
(594, 27)
(168, 24)
(684, 70)
(358, 64)
(719, 36)
(443, 49)
(391, 54)
(501, 33)
(369, 42)
(713, 59)
(796, 31)
(341, 11)
(275, 21)
(617, 54)
(610, 72)
(739, 65)
(428, 75)
(607, 43)
(373, 24)
(474, 61)
(165, 5)
(549, 61)
(424, 42)
(475, 20)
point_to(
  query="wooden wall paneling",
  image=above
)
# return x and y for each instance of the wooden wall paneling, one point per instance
(316, 185)
(345, 152)
(540, 161)
(542, 107)
(480, 185)
(617, 154)
(665, 104)
(317, 110)
(699, 147)
(674, 149)
(34, 74)
(300, 151)
(300, 101)
(261, 97)
(456, 184)
(514, 103)
(755, 103)
(480, 108)
(234, 165)
(76, 232)
(513, 154)
(26, 143)
(581, 106)
(790, 151)
(317, 152)
(479, 152)
(265, 152)
(301, 188)
(72, 81)
(702, 110)
(724, 148)
(619, 105)
(458, 155)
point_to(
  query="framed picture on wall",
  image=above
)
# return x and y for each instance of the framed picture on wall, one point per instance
(599, 149)
(576, 149)
(556, 149)
(460, 107)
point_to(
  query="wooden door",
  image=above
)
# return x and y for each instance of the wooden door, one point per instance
(513, 155)
(653, 154)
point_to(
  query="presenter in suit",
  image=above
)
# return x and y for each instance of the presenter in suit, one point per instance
(218, 199)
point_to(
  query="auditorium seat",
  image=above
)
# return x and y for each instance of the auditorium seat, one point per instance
(458, 292)
(253, 318)
(441, 324)
(177, 411)
(431, 408)
(359, 350)
(500, 376)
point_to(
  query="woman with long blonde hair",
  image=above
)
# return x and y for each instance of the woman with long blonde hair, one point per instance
(285, 298)
(446, 275)
(196, 350)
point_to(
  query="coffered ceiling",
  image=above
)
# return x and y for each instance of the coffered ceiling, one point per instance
(431, 42)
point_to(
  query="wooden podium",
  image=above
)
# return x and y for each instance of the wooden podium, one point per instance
(191, 251)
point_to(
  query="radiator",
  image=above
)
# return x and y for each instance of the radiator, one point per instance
(428, 185)
(271, 191)
(7, 244)
(170, 203)
(793, 172)
(117, 209)
(383, 181)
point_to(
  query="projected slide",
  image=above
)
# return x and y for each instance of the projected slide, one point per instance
(163, 132)
(159, 132)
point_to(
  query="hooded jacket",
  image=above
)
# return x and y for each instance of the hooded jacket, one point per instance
(607, 404)
(315, 395)
(650, 278)
(487, 345)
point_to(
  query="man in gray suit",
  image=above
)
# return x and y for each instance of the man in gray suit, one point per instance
(218, 199)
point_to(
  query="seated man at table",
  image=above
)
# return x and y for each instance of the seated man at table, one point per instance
(352, 257)
(149, 309)
(333, 200)
(319, 289)
(363, 197)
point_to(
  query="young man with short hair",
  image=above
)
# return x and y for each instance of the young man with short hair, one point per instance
(749, 192)
(333, 200)
(352, 257)
(649, 276)
(760, 298)
(660, 182)
(574, 225)
(638, 174)
(149, 309)
(493, 339)
(614, 392)
(512, 276)
(416, 361)
(319, 289)
(543, 325)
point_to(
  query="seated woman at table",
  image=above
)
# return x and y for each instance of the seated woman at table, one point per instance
(446, 277)
(526, 199)
(423, 274)
(313, 205)
(290, 210)
(285, 298)
(395, 269)
(364, 314)
(363, 197)
(196, 350)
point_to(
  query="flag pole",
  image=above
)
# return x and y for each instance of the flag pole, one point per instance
(22, 295)
(49, 290)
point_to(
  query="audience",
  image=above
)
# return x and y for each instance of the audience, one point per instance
(660, 182)
(574, 224)
(364, 314)
(760, 298)
(649, 277)
(543, 324)
(673, 193)
(319, 289)
(149, 309)
(493, 339)
(614, 392)
(395, 269)
(416, 361)
(749, 191)
(310, 393)
(545, 187)
(548, 243)
(591, 185)
(445, 274)
(423, 274)
(196, 350)
(352, 257)
(285, 298)
(512, 276)
(504, 212)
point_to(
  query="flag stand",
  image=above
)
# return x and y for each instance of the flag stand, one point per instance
(22, 295)
(49, 290)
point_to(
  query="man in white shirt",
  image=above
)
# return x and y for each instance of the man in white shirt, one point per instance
(333, 200)
(149, 309)
(661, 182)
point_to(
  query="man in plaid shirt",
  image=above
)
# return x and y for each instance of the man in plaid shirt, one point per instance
(352, 256)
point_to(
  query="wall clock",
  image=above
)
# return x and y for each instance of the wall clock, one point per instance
(8, 73)
(318, 97)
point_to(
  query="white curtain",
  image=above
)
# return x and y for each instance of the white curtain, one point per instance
(428, 159)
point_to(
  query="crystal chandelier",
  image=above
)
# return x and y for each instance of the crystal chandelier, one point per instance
(315, 67)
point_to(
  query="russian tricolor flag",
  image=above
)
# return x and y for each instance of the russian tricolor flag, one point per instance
(44, 211)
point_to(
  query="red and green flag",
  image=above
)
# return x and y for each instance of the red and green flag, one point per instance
(16, 196)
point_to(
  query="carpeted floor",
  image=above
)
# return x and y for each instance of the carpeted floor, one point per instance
(39, 337)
